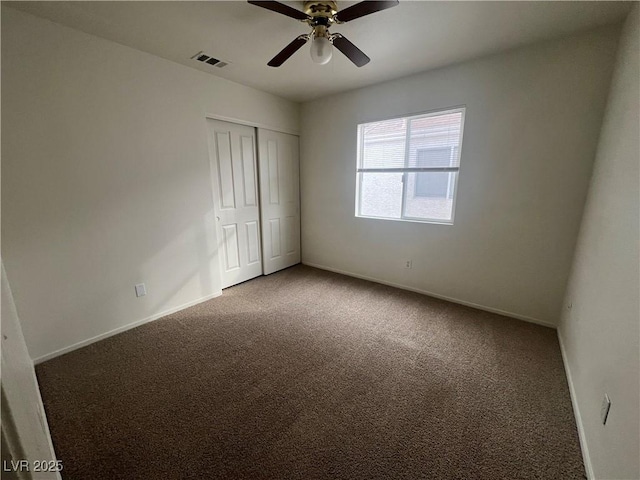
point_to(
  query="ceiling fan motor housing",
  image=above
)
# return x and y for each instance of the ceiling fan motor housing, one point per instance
(321, 16)
(318, 10)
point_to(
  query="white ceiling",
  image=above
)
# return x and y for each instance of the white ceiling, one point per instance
(412, 37)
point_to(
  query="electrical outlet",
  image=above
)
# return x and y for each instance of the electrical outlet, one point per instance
(408, 264)
(141, 290)
(604, 409)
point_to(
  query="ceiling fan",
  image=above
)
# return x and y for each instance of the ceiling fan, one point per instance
(320, 15)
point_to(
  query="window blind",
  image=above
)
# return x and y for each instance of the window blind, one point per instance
(395, 145)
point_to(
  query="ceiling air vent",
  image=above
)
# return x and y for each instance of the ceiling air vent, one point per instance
(204, 58)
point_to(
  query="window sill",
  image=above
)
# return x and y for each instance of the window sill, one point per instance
(409, 220)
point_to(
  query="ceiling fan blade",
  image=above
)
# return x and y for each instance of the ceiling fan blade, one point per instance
(283, 9)
(360, 9)
(352, 52)
(287, 51)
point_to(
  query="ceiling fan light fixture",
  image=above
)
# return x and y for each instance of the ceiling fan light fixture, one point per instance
(321, 50)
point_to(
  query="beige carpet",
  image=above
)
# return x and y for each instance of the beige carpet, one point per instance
(306, 374)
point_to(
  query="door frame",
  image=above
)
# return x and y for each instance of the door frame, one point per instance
(249, 123)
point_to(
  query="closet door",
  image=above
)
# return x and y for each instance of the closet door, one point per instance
(279, 167)
(235, 192)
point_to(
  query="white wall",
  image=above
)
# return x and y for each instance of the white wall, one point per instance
(532, 122)
(601, 332)
(23, 417)
(106, 179)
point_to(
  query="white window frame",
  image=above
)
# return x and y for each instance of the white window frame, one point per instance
(405, 170)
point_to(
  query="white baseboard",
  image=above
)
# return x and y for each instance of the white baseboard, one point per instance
(576, 412)
(435, 295)
(124, 328)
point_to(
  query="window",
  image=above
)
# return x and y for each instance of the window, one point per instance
(408, 167)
